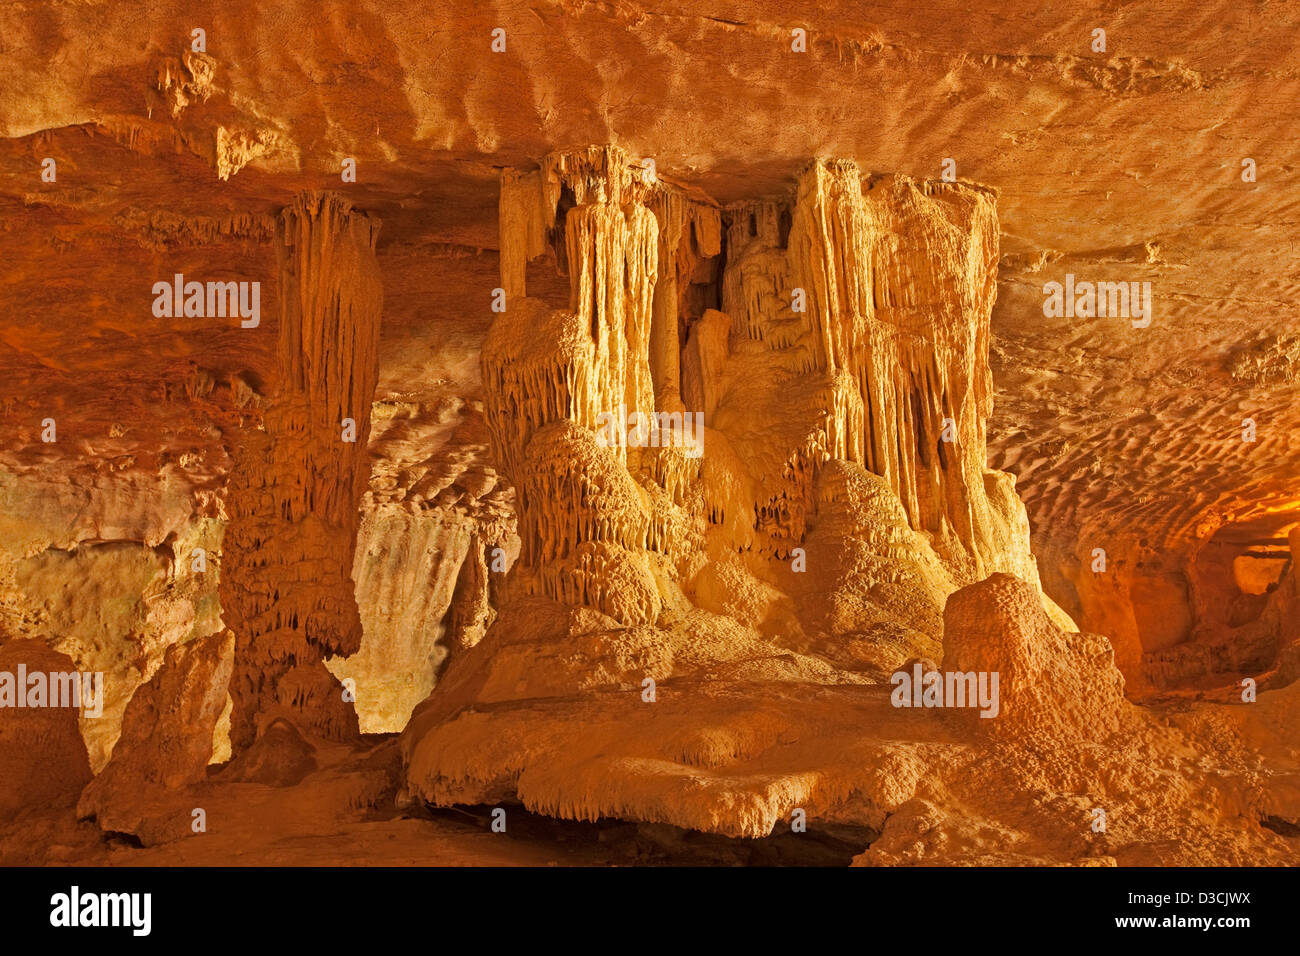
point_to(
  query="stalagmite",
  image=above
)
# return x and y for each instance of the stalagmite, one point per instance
(286, 584)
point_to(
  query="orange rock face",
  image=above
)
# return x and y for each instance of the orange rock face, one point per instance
(880, 419)
(44, 758)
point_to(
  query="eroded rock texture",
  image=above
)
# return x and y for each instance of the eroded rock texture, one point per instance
(167, 742)
(710, 640)
(286, 581)
(43, 760)
(854, 354)
(806, 534)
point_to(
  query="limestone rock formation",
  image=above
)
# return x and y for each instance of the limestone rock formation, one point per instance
(166, 744)
(286, 584)
(280, 757)
(437, 534)
(43, 760)
(1053, 683)
(669, 481)
(846, 388)
(1069, 772)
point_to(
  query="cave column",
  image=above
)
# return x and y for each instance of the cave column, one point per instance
(293, 504)
(665, 340)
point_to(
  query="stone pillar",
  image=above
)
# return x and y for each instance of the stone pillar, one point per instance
(286, 580)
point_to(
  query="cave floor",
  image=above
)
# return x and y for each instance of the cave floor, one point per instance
(313, 822)
(346, 813)
(291, 801)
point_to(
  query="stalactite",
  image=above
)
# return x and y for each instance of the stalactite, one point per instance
(669, 207)
(521, 226)
(897, 285)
